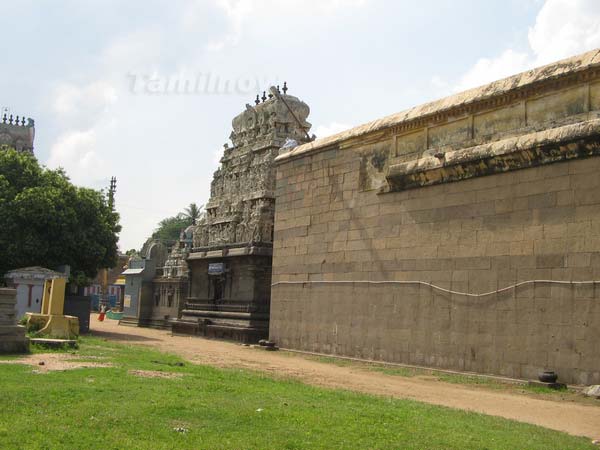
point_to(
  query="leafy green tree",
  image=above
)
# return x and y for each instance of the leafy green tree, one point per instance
(170, 228)
(45, 220)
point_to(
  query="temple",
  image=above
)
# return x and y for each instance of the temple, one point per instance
(17, 132)
(230, 263)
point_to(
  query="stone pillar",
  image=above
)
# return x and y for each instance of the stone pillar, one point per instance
(12, 336)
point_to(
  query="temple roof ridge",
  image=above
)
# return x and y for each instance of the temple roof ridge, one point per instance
(572, 65)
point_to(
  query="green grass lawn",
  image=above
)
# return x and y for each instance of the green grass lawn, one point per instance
(109, 408)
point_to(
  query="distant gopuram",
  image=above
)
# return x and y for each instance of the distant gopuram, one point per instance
(230, 263)
(17, 132)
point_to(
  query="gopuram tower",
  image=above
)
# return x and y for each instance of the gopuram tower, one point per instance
(17, 132)
(230, 262)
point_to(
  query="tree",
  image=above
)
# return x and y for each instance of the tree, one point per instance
(170, 228)
(193, 212)
(45, 220)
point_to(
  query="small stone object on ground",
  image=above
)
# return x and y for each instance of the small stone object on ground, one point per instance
(592, 391)
(548, 376)
(259, 410)
(41, 363)
(175, 364)
(266, 343)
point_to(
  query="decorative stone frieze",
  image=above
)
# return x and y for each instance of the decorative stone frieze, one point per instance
(241, 206)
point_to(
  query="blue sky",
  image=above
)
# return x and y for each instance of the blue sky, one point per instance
(95, 75)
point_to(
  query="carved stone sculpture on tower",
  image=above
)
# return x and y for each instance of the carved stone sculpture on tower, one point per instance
(232, 256)
(242, 187)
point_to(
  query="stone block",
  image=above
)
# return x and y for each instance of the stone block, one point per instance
(12, 336)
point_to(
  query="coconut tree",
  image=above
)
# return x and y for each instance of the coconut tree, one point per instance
(193, 212)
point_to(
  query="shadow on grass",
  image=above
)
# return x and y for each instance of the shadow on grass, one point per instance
(121, 336)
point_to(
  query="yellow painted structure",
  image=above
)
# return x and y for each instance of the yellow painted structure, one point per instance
(53, 301)
(52, 321)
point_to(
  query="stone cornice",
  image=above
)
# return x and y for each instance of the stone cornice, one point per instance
(579, 140)
(537, 81)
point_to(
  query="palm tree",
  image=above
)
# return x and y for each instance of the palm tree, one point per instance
(193, 212)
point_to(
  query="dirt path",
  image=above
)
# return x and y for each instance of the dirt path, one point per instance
(573, 418)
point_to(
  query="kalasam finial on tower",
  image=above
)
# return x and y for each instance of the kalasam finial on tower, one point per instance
(285, 88)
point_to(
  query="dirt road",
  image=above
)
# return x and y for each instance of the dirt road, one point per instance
(573, 418)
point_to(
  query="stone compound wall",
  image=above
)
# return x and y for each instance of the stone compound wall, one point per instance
(12, 336)
(345, 213)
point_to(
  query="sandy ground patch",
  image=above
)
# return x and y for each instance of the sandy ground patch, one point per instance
(155, 374)
(47, 362)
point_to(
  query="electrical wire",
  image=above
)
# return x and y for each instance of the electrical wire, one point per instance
(439, 288)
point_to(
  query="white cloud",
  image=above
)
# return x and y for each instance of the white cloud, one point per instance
(84, 109)
(135, 50)
(438, 82)
(94, 98)
(562, 28)
(333, 128)
(76, 152)
(489, 69)
(238, 12)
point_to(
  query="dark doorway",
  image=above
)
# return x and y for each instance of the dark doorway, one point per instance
(218, 288)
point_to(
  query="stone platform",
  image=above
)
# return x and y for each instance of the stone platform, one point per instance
(12, 336)
(245, 327)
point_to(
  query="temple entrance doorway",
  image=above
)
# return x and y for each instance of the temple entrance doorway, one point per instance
(217, 288)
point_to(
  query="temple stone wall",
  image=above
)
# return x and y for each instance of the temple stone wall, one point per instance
(467, 210)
